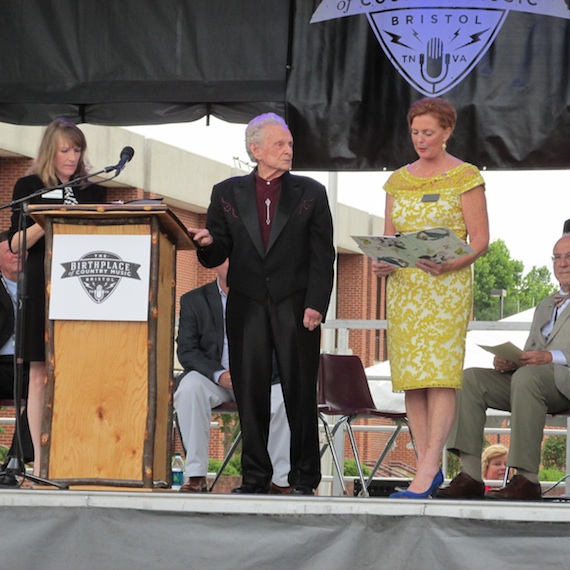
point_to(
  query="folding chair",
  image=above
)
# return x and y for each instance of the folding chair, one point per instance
(343, 391)
(226, 408)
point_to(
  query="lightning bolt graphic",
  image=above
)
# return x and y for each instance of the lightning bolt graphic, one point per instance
(396, 40)
(474, 38)
(455, 35)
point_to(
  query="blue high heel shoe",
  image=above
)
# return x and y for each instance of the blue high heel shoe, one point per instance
(437, 481)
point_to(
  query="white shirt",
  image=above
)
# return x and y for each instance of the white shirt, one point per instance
(557, 355)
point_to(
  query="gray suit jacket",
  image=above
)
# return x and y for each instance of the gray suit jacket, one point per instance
(201, 330)
(201, 333)
(559, 339)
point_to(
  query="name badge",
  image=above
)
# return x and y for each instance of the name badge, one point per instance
(56, 194)
(430, 197)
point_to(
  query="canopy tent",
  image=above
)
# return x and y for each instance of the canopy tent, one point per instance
(144, 62)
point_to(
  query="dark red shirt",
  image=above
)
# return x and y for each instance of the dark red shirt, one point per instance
(267, 195)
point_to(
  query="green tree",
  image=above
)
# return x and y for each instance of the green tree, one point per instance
(536, 285)
(554, 452)
(497, 270)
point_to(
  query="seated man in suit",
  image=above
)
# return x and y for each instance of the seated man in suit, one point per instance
(537, 385)
(9, 270)
(207, 383)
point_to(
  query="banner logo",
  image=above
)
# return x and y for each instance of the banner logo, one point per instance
(100, 272)
(435, 49)
(434, 44)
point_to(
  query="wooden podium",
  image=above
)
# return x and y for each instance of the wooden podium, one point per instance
(108, 408)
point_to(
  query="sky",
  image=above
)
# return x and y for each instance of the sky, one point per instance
(527, 209)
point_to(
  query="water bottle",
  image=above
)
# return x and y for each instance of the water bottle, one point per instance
(177, 468)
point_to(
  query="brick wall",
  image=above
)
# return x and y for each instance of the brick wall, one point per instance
(10, 170)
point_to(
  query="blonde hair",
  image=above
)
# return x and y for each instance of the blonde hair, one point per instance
(490, 453)
(58, 130)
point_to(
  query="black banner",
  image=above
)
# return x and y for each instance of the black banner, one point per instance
(147, 62)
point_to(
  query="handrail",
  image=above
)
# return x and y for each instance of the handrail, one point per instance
(381, 324)
(342, 327)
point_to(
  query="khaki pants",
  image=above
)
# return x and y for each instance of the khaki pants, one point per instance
(529, 394)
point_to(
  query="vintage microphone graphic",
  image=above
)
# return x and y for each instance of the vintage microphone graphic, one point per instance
(434, 71)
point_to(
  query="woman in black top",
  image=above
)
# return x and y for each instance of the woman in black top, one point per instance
(61, 158)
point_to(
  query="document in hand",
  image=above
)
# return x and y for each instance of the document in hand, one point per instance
(404, 250)
(507, 350)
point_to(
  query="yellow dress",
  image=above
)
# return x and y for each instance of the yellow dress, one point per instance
(428, 315)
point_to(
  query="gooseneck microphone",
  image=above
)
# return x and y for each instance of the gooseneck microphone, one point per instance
(126, 154)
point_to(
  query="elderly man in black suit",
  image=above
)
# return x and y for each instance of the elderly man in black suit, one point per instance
(276, 229)
(207, 383)
(9, 270)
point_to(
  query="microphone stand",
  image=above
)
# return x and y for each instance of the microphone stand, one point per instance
(15, 466)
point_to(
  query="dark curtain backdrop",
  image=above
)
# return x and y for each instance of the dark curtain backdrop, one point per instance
(133, 62)
(148, 62)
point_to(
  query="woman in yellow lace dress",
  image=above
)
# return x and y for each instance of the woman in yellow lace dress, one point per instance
(428, 305)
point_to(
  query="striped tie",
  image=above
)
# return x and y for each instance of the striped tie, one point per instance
(69, 196)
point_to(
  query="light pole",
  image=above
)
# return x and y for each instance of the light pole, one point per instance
(501, 293)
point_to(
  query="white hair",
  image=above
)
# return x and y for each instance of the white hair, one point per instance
(254, 130)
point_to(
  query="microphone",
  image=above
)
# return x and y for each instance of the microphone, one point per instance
(433, 67)
(126, 154)
(434, 54)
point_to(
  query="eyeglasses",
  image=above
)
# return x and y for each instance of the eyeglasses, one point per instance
(558, 257)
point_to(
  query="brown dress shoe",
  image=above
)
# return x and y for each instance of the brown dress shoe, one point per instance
(463, 486)
(519, 488)
(277, 490)
(194, 485)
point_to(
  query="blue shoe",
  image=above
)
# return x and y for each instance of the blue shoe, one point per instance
(437, 481)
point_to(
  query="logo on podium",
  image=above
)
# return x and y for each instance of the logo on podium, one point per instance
(100, 272)
(105, 277)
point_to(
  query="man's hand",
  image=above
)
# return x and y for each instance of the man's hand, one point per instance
(312, 319)
(201, 236)
(503, 365)
(536, 357)
(225, 380)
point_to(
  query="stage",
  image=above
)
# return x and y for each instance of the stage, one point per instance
(117, 529)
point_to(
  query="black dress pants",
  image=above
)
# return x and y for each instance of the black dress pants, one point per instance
(7, 392)
(255, 330)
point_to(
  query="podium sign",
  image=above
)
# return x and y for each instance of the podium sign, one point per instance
(108, 407)
(100, 278)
